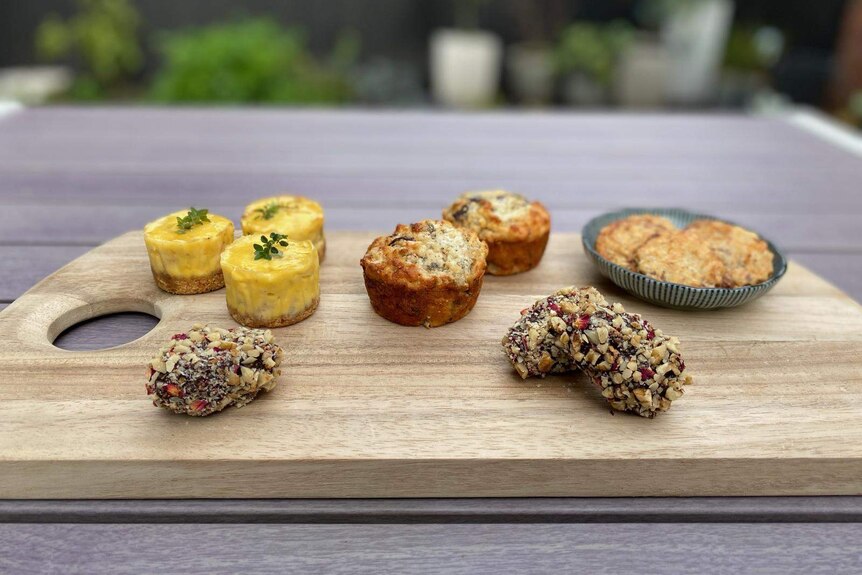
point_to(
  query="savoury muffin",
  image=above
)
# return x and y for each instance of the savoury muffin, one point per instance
(207, 369)
(294, 216)
(619, 240)
(271, 281)
(746, 257)
(679, 257)
(515, 229)
(184, 249)
(428, 273)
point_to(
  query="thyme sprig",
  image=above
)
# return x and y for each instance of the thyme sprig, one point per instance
(191, 219)
(268, 211)
(266, 249)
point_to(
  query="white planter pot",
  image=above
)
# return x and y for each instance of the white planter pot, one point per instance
(530, 71)
(695, 37)
(641, 75)
(465, 67)
(582, 91)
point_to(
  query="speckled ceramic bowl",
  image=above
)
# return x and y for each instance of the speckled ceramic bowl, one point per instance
(668, 294)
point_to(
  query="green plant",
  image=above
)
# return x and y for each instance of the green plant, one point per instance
(102, 36)
(467, 13)
(252, 60)
(193, 218)
(267, 248)
(854, 107)
(592, 49)
(268, 211)
(753, 49)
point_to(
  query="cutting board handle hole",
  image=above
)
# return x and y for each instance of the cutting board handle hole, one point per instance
(81, 328)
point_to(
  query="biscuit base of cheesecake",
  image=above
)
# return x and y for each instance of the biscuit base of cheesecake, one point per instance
(249, 320)
(189, 286)
(431, 307)
(508, 258)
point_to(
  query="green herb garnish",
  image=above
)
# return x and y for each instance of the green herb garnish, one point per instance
(268, 211)
(266, 249)
(191, 219)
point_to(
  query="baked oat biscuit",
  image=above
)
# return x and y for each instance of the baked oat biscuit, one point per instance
(746, 257)
(637, 367)
(294, 216)
(428, 273)
(680, 257)
(207, 369)
(515, 229)
(184, 249)
(619, 240)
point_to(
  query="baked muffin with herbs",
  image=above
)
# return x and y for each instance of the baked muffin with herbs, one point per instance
(294, 216)
(184, 249)
(515, 229)
(206, 369)
(428, 273)
(271, 281)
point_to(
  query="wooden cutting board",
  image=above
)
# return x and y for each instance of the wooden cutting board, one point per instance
(366, 408)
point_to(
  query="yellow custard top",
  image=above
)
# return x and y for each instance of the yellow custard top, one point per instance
(194, 253)
(165, 229)
(297, 217)
(299, 257)
(282, 287)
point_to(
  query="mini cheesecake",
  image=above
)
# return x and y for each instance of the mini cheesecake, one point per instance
(186, 260)
(294, 216)
(272, 292)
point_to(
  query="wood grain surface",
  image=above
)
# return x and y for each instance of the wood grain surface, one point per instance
(821, 509)
(374, 169)
(469, 549)
(111, 168)
(367, 408)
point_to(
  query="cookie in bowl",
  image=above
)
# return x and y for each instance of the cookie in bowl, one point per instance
(515, 229)
(618, 241)
(184, 249)
(271, 281)
(428, 273)
(681, 258)
(297, 217)
(746, 257)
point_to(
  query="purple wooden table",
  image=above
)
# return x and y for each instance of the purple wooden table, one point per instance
(72, 178)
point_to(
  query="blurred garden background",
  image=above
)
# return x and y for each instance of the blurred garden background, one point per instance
(463, 54)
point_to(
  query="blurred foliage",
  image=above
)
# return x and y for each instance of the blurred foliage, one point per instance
(753, 49)
(592, 49)
(854, 108)
(102, 37)
(651, 14)
(253, 60)
(467, 13)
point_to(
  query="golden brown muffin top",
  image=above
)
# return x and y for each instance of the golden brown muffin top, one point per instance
(430, 251)
(497, 215)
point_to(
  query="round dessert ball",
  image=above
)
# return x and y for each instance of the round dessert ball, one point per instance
(428, 273)
(207, 369)
(515, 229)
